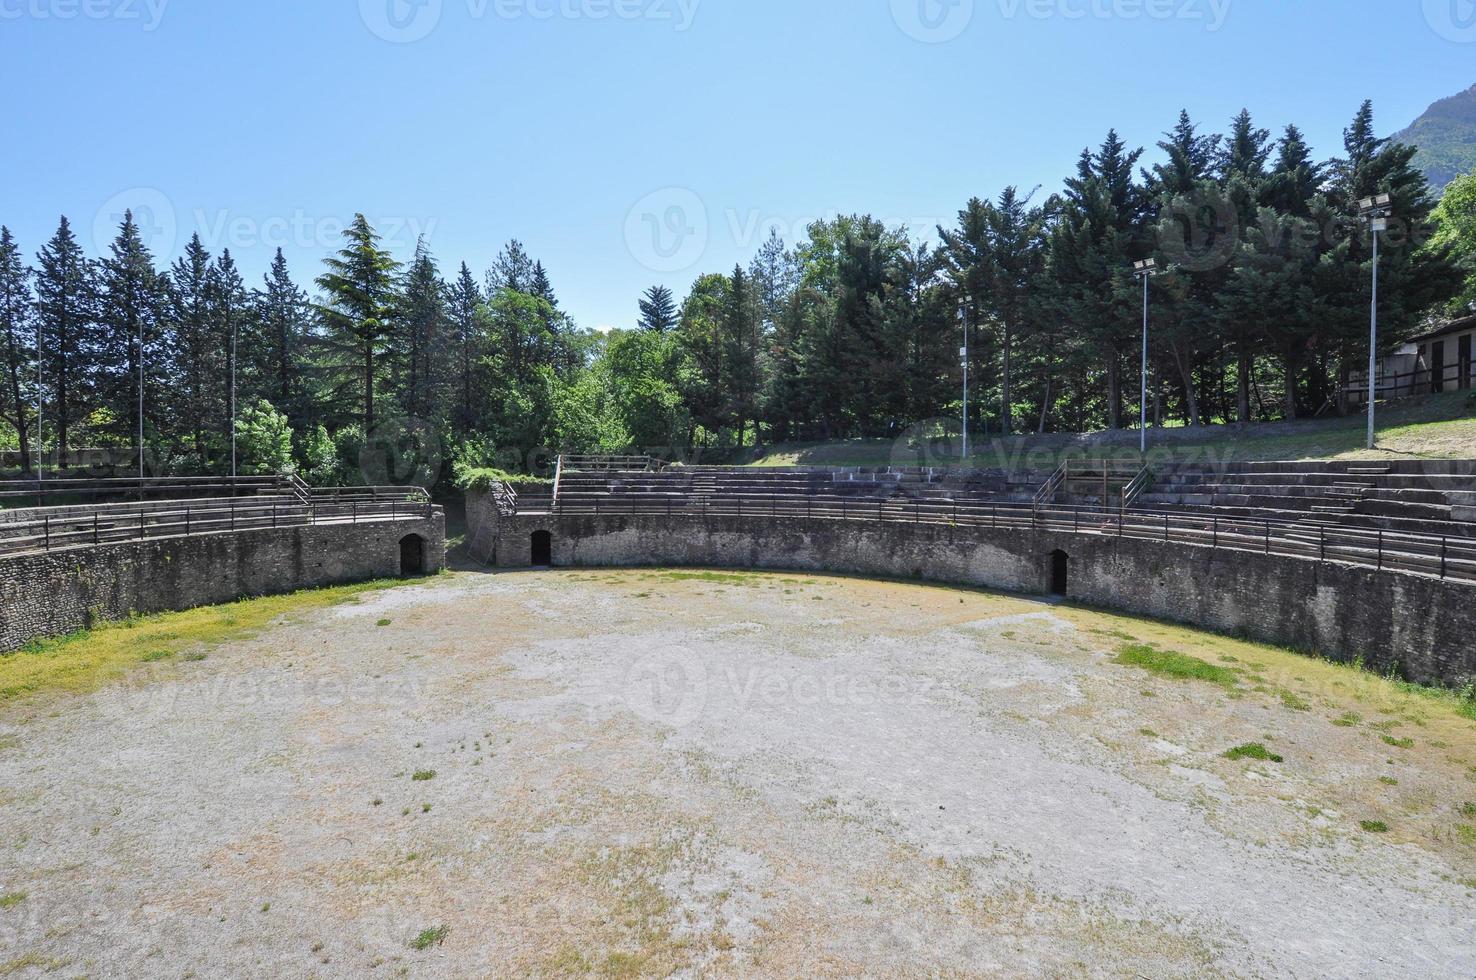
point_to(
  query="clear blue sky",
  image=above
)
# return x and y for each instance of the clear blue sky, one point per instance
(607, 133)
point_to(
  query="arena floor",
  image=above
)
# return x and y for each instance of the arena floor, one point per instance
(654, 773)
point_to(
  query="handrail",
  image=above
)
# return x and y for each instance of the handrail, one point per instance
(55, 531)
(1443, 555)
(1140, 484)
(558, 478)
(1047, 493)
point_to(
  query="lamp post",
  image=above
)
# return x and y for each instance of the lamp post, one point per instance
(1145, 270)
(40, 447)
(964, 353)
(1376, 210)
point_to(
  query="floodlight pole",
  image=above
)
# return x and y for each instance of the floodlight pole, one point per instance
(40, 448)
(140, 401)
(233, 396)
(1376, 210)
(1145, 270)
(1143, 442)
(1373, 339)
(964, 309)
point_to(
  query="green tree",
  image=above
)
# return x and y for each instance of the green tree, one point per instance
(133, 300)
(264, 440)
(1455, 219)
(66, 306)
(19, 340)
(658, 310)
(278, 353)
(357, 315)
(197, 356)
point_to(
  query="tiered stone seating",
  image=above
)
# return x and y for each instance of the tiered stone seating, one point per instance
(701, 484)
(1400, 496)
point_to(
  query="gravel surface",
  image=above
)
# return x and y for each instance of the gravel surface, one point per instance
(651, 773)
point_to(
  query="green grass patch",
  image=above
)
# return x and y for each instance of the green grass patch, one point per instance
(1294, 701)
(423, 776)
(430, 937)
(1374, 826)
(1348, 720)
(11, 899)
(384, 622)
(85, 661)
(1388, 780)
(715, 578)
(1255, 750)
(1399, 743)
(1466, 833)
(1174, 665)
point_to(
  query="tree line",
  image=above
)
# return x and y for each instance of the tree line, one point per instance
(1261, 313)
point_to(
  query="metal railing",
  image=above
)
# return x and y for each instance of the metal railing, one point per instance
(120, 523)
(148, 488)
(1447, 557)
(610, 464)
(1139, 485)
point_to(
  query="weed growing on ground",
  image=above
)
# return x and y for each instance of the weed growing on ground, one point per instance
(1175, 665)
(423, 776)
(1254, 750)
(1388, 780)
(1399, 743)
(1374, 826)
(1293, 701)
(1348, 720)
(430, 937)
(384, 622)
(11, 899)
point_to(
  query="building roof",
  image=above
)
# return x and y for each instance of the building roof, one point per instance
(1445, 330)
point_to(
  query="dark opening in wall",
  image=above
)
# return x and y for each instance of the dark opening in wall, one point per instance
(542, 549)
(1060, 573)
(412, 555)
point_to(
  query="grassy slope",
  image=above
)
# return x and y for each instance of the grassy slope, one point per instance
(1439, 427)
(86, 660)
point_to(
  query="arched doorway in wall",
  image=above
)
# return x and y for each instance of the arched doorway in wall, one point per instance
(542, 549)
(412, 555)
(1060, 573)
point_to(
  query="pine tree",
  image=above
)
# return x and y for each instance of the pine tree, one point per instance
(467, 320)
(19, 340)
(357, 315)
(279, 344)
(418, 339)
(658, 310)
(196, 356)
(230, 311)
(66, 307)
(133, 300)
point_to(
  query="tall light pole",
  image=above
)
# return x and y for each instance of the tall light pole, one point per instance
(40, 447)
(234, 331)
(964, 353)
(1376, 210)
(140, 402)
(1145, 270)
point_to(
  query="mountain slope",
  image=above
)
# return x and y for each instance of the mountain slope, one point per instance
(1446, 136)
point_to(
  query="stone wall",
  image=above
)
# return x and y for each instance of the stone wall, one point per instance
(1416, 624)
(62, 592)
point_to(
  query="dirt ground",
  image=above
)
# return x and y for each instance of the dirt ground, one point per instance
(661, 773)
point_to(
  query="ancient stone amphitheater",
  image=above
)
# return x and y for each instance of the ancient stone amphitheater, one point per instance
(1355, 561)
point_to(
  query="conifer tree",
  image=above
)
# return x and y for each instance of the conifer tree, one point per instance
(468, 322)
(133, 300)
(279, 348)
(198, 359)
(658, 310)
(66, 307)
(357, 315)
(17, 324)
